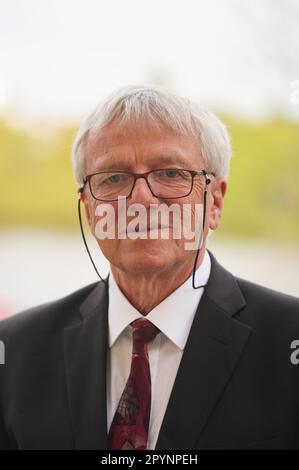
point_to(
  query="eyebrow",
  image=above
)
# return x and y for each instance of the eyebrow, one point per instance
(110, 162)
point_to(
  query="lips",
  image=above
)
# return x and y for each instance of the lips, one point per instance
(152, 228)
(148, 229)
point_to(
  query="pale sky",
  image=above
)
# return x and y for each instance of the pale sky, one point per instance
(58, 58)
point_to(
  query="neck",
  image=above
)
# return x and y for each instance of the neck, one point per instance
(146, 290)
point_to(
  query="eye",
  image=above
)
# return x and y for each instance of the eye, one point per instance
(113, 179)
(171, 173)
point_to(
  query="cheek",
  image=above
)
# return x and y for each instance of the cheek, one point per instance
(192, 212)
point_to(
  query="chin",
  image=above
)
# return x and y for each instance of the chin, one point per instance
(142, 255)
(146, 260)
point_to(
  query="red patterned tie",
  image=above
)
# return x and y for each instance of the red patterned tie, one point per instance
(129, 428)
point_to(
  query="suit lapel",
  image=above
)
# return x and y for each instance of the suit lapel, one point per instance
(85, 346)
(214, 346)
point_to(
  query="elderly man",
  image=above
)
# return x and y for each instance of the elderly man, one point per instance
(170, 351)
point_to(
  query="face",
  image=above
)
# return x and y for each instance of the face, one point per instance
(139, 150)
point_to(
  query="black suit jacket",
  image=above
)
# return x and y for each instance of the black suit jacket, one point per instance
(236, 387)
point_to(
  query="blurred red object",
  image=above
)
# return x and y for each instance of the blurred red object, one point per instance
(8, 307)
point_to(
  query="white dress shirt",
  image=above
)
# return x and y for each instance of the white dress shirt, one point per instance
(174, 317)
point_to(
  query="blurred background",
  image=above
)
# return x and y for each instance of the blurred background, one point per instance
(240, 58)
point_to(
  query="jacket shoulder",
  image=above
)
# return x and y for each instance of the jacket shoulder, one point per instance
(252, 290)
(47, 316)
(269, 305)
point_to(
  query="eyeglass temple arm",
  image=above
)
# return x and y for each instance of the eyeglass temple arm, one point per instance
(205, 174)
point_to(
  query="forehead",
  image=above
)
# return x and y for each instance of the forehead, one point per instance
(142, 142)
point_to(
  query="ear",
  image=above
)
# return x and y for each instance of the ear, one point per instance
(83, 198)
(217, 193)
(80, 191)
(87, 212)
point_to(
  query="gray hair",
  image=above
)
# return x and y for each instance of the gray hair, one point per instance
(158, 106)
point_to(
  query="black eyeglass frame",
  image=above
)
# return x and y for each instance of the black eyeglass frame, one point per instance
(136, 176)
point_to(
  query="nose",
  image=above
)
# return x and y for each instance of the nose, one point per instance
(142, 194)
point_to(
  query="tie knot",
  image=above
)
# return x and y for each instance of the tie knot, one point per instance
(144, 331)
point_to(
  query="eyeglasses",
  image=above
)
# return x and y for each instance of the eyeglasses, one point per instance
(166, 183)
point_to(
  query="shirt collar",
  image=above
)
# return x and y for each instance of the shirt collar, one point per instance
(180, 305)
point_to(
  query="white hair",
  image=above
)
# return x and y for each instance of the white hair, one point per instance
(157, 105)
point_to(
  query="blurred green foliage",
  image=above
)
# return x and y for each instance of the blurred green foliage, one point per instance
(262, 200)
(37, 183)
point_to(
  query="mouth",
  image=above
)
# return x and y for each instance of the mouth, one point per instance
(148, 229)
